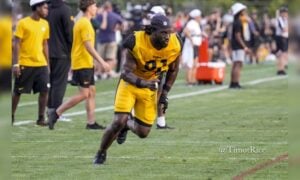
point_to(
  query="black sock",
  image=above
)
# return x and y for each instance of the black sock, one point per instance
(234, 84)
(41, 118)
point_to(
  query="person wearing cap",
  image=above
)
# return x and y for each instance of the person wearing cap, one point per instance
(282, 35)
(30, 60)
(152, 12)
(192, 33)
(238, 43)
(83, 54)
(149, 53)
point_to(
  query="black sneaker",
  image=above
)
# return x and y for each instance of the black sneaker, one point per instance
(94, 126)
(235, 86)
(164, 127)
(100, 158)
(121, 138)
(240, 87)
(52, 118)
(41, 122)
(281, 73)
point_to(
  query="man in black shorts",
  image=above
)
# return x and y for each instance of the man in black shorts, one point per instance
(282, 33)
(30, 61)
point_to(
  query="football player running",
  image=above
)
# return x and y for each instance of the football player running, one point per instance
(149, 53)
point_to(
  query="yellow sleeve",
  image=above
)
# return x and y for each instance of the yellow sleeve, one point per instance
(47, 33)
(1, 29)
(19, 30)
(85, 33)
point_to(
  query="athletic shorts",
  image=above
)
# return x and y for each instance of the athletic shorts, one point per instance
(196, 51)
(32, 78)
(142, 100)
(5, 79)
(83, 77)
(238, 55)
(282, 44)
(108, 51)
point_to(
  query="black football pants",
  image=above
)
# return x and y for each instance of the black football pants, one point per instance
(59, 69)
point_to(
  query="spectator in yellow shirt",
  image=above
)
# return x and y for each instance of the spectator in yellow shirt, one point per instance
(30, 63)
(82, 64)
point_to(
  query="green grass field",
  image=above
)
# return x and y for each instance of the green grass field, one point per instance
(213, 134)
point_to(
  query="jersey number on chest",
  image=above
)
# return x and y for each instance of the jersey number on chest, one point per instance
(156, 65)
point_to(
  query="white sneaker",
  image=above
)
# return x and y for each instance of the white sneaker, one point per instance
(64, 118)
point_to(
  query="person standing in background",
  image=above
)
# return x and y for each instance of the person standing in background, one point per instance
(83, 54)
(30, 61)
(238, 43)
(106, 38)
(60, 44)
(193, 40)
(282, 35)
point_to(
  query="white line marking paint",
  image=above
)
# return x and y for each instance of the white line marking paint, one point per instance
(19, 123)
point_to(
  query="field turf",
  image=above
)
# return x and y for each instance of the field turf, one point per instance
(219, 134)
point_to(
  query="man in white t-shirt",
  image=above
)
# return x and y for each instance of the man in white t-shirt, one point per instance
(192, 33)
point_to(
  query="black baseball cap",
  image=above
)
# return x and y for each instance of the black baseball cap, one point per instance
(160, 21)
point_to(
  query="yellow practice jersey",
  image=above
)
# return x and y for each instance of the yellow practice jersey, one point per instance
(5, 42)
(150, 61)
(82, 31)
(32, 34)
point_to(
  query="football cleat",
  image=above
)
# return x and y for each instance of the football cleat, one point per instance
(100, 158)
(121, 138)
(164, 127)
(94, 126)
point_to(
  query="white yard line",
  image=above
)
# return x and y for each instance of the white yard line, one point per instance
(206, 91)
(176, 96)
(19, 123)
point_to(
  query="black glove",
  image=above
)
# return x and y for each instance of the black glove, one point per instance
(164, 100)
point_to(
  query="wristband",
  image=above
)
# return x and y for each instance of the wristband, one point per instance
(16, 65)
(138, 83)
